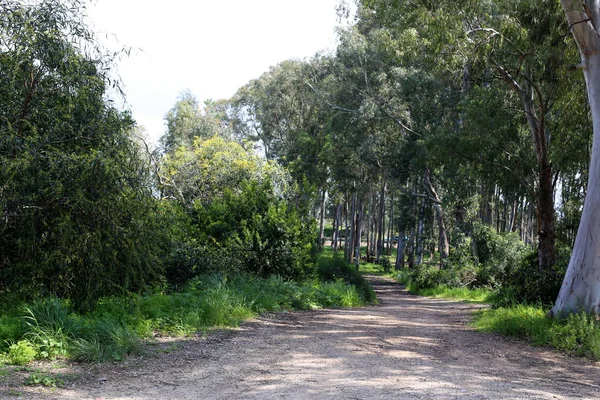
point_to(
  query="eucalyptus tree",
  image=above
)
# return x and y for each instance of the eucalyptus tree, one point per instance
(186, 121)
(519, 43)
(581, 286)
(282, 112)
(398, 105)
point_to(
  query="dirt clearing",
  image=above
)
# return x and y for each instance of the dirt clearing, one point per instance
(407, 347)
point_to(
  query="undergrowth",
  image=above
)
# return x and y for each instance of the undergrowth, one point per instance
(118, 326)
(578, 334)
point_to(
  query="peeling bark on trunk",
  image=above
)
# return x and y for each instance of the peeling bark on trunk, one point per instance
(581, 287)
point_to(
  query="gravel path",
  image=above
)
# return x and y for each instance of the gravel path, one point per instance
(407, 347)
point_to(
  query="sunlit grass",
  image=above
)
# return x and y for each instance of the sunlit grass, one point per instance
(49, 329)
(578, 334)
(466, 294)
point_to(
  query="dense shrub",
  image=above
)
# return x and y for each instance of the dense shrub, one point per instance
(526, 283)
(252, 230)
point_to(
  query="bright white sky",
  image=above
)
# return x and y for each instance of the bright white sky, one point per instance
(212, 47)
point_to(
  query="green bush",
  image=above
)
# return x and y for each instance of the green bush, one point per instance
(10, 331)
(252, 230)
(21, 353)
(526, 283)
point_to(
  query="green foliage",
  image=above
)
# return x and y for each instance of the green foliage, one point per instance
(386, 264)
(426, 277)
(37, 378)
(10, 330)
(76, 210)
(526, 283)
(331, 269)
(21, 353)
(118, 325)
(578, 334)
(109, 339)
(254, 231)
(49, 325)
(474, 295)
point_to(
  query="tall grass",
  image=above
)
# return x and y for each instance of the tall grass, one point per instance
(578, 334)
(118, 325)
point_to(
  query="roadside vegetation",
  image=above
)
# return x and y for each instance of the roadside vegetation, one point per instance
(48, 329)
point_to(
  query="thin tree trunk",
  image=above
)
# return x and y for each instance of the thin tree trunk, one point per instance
(380, 227)
(421, 225)
(513, 215)
(351, 244)
(439, 213)
(359, 220)
(347, 241)
(336, 228)
(411, 248)
(390, 233)
(321, 238)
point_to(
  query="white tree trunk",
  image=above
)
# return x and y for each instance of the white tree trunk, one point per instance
(581, 287)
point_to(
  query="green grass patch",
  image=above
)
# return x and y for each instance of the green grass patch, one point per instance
(578, 334)
(476, 295)
(466, 294)
(118, 326)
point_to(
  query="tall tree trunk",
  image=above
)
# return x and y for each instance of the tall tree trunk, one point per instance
(546, 233)
(321, 238)
(359, 223)
(581, 287)
(439, 214)
(400, 251)
(420, 226)
(411, 248)
(336, 227)
(390, 233)
(534, 106)
(380, 227)
(351, 244)
(513, 215)
(347, 240)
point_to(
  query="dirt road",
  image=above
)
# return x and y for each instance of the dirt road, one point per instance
(407, 347)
